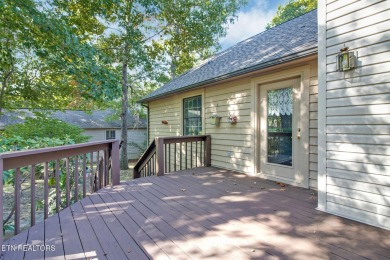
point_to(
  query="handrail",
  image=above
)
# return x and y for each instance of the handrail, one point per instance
(193, 150)
(69, 157)
(144, 159)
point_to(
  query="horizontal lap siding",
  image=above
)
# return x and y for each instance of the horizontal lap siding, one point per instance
(232, 144)
(167, 109)
(358, 112)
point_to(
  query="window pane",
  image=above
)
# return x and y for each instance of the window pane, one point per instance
(279, 126)
(192, 119)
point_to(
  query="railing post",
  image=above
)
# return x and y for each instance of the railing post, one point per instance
(207, 151)
(160, 156)
(115, 163)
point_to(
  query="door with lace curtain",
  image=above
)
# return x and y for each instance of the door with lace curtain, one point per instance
(280, 132)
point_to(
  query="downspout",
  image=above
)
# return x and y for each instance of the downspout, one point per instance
(147, 121)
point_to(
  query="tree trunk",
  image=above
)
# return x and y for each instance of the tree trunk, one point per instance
(125, 106)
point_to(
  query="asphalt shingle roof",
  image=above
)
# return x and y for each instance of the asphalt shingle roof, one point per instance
(95, 119)
(291, 40)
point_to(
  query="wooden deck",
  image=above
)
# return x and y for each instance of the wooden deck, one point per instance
(199, 214)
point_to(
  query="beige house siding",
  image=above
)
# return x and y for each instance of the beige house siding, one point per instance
(233, 145)
(357, 118)
(137, 136)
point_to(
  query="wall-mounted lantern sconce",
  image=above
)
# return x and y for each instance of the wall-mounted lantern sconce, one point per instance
(232, 119)
(215, 119)
(345, 60)
(164, 122)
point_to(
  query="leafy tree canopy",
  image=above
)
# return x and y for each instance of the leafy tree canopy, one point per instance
(292, 9)
(47, 62)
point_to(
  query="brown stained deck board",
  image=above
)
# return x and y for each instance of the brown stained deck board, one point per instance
(156, 223)
(219, 219)
(36, 239)
(241, 204)
(165, 222)
(226, 190)
(268, 201)
(284, 194)
(199, 227)
(145, 242)
(186, 216)
(348, 231)
(70, 236)
(110, 246)
(156, 235)
(170, 188)
(87, 236)
(11, 254)
(125, 241)
(53, 237)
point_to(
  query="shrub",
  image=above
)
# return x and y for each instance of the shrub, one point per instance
(40, 127)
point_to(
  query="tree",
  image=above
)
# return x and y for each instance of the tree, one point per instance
(186, 30)
(292, 9)
(45, 63)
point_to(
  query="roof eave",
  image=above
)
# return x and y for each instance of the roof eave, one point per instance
(290, 57)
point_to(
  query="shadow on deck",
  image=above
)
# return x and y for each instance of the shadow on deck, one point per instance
(199, 213)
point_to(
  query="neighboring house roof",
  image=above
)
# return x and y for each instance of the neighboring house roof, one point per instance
(291, 40)
(94, 120)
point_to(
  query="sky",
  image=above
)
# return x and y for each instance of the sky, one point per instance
(251, 19)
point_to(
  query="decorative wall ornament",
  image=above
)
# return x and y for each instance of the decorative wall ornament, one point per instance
(215, 119)
(232, 119)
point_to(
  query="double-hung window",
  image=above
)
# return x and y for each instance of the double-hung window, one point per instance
(110, 134)
(192, 115)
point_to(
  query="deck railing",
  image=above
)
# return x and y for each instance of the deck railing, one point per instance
(72, 161)
(167, 154)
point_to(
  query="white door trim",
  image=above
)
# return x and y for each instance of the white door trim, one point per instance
(303, 72)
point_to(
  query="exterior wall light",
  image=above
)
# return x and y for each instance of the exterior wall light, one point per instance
(345, 60)
(215, 119)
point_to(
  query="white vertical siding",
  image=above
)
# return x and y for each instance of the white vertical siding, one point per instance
(358, 112)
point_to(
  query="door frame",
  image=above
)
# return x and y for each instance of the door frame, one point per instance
(303, 73)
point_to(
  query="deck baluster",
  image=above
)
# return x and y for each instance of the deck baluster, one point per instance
(76, 178)
(17, 200)
(91, 179)
(58, 191)
(67, 188)
(46, 190)
(84, 175)
(32, 196)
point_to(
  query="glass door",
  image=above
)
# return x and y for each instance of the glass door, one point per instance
(280, 132)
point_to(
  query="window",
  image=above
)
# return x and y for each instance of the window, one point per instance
(110, 134)
(192, 119)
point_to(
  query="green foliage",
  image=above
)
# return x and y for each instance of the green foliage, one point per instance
(292, 9)
(42, 132)
(192, 31)
(45, 63)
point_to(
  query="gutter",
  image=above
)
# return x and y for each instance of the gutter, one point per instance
(290, 57)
